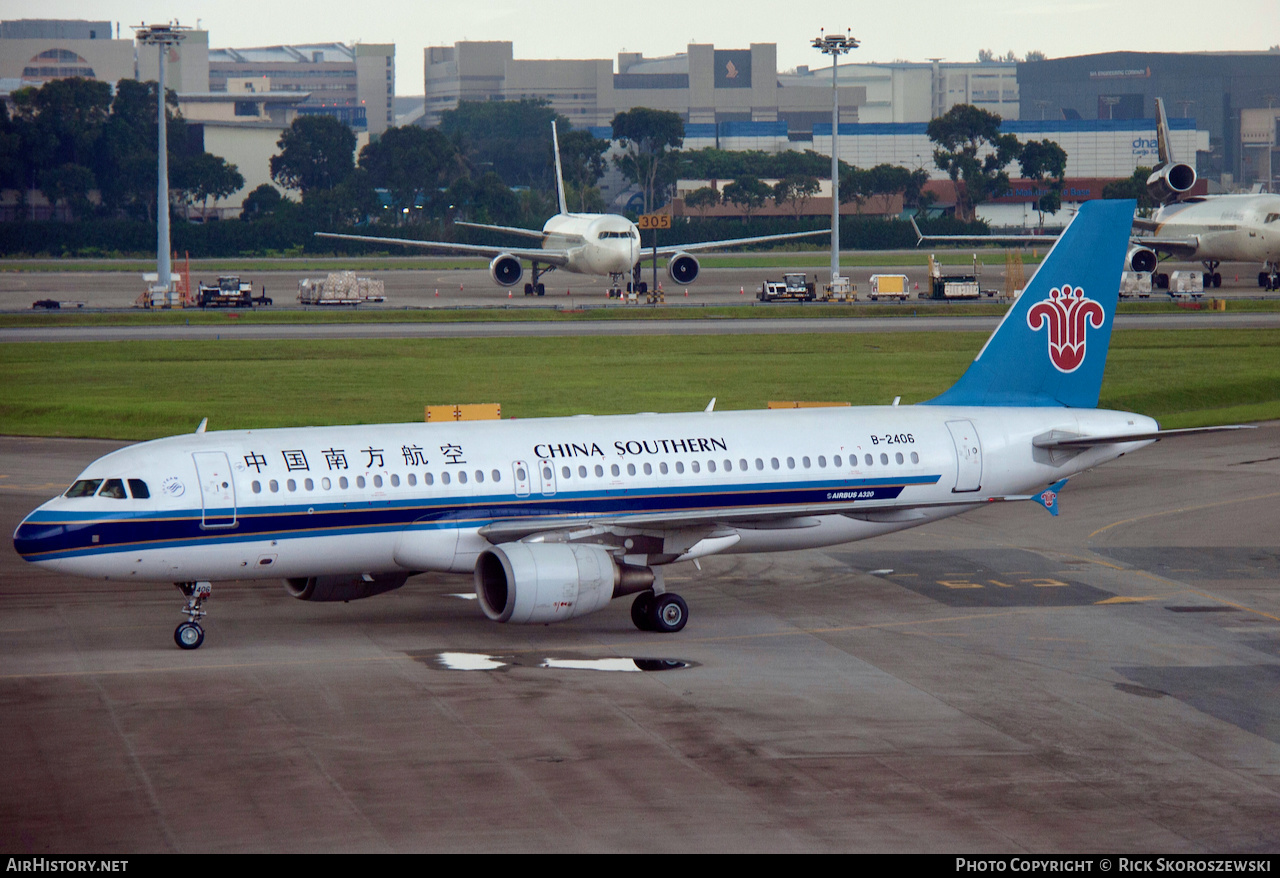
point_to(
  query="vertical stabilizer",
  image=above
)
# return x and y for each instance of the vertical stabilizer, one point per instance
(1051, 347)
(1164, 147)
(555, 147)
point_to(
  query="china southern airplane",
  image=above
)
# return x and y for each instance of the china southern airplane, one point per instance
(1210, 229)
(597, 244)
(555, 517)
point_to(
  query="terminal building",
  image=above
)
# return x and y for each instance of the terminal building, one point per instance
(35, 51)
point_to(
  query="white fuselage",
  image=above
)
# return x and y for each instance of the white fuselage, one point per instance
(597, 243)
(414, 497)
(1228, 228)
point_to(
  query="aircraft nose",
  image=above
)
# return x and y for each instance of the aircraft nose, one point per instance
(34, 539)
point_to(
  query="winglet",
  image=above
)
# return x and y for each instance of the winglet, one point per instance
(1164, 149)
(1048, 498)
(555, 147)
(203, 423)
(919, 234)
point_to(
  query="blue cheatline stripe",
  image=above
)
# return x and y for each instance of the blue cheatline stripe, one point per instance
(51, 535)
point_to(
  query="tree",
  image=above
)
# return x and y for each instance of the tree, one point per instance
(914, 195)
(510, 138)
(974, 154)
(582, 160)
(262, 201)
(1046, 163)
(68, 184)
(316, 152)
(855, 185)
(1035, 55)
(796, 190)
(748, 193)
(887, 180)
(646, 137)
(409, 164)
(1135, 187)
(702, 200)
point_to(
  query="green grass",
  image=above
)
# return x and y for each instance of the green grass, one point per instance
(139, 390)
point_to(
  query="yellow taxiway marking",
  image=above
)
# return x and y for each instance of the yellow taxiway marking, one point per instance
(1124, 600)
(1182, 509)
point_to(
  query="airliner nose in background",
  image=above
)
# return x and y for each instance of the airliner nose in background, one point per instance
(555, 517)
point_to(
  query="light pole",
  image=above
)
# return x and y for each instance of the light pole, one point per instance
(162, 36)
(835, 46)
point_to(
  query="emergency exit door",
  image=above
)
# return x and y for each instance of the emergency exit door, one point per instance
(968, 456)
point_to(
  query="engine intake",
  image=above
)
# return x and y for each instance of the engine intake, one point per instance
(343, 588)
(532, 583)
(1171, 181)
(506, 270)
(1141, 259)
(682, 268)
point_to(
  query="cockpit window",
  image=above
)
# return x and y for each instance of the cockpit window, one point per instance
(138, 488)
(1272, 217)
(113, 488)
(84, 488)
(627, 234)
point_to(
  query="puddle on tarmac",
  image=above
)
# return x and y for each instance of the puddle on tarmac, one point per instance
(477, 661)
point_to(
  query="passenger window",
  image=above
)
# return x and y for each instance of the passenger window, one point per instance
(822, 461)
(307, 483)
(113, 488)
(897, 457)
(377, 481)
(462, 476)
(759, 464)
(86, 487)
(773, 461)
(427, 478)
(520, 473)
(693, 464)
(257, 486)
(884, 458)
(413, 478)
(564, 470)
(662, 467)
(631, 467)
(138, 488)
(613, 469)
(599, 468)
(805, 461)
(679, 463)
(868, 457)
(479, 475)
(495, 475)
(711, 464)
(291, 484)
(648, 468)
(342, 480)
(791, 461)
(915, 458)
(326, 484)
(273, 484)
(444, 477)
(359, 479)
(835, 460)
(582, 470)
(395, 481)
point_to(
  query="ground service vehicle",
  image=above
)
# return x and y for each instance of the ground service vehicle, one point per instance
(889, 286)
(792, 286)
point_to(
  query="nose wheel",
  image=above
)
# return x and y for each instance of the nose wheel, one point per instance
(189, 635)
(666, 613)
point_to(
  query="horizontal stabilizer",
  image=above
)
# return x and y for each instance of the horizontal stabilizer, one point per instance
(1058, 439)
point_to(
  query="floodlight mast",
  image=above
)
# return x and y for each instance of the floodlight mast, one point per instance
(835, 45)
(162, 36)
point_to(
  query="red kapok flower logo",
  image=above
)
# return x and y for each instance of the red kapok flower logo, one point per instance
(1066, 312)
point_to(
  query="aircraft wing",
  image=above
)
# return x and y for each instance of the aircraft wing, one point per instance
(515, 230)
(1058, 439)
(729, 242)
(549, 257)
(1182, 247)
(921, 238)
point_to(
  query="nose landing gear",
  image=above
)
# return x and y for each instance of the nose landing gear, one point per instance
(189, 635)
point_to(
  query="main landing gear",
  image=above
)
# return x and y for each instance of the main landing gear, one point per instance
(1269, 280)
(667, 613)
(189, 635)
(635, 285)
(1211, 276)
(536, 287)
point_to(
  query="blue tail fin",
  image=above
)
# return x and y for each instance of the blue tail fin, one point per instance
(1051, 347)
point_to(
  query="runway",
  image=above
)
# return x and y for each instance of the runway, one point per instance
(999, 682)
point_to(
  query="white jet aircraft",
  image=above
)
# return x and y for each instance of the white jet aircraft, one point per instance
(1210, 229)
(597, 244)
(555, 517)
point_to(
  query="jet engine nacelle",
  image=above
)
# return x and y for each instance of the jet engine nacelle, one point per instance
(682, 268)
(1141, 259)
(1171, 181)
(550, 582)
(343, 588)
(506, 270)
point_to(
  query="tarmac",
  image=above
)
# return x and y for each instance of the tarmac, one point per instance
(1000, 682)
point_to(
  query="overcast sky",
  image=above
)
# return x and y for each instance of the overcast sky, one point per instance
(913, 31)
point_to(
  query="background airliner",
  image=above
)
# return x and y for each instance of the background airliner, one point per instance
(584, 243)
(1210, 229)
(555, 517)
